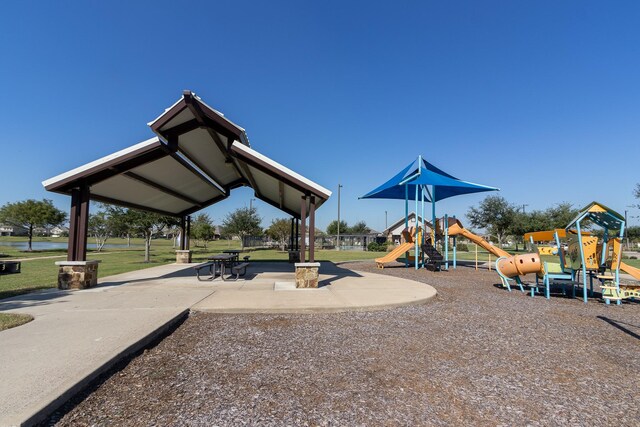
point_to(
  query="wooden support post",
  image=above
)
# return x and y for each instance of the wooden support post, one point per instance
(73, 224)
(83, 223)
(183, 233)
(291, 246)
(303, 226)
(297, 239)
(188, 233)
(312, 229)
(78, 224)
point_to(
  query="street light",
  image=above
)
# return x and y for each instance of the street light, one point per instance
(385, 220)
(338, 239)
(251, 205)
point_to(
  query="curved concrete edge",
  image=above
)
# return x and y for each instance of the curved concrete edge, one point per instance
(39, 414)
(345, 306)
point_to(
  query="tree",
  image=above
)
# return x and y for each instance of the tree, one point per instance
(521, 224)
(99, 228)
(121, 221)
(280, 231)
(241, 223)
(30, 214)
(494, 214)
(633, 233)
(148, 224)
(561, 215)
(359, 227)
(332, 228)
(202, 229)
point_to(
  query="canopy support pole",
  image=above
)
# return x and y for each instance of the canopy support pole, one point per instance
(303, 228)
(312, 229)
(454, 248)
(291, 234)
(187, 234)
(183, 233)
(445, 226)
(415, 238)
(78, 224)
(433, 213)
(584, 265)
(406, 220)
(424, 223)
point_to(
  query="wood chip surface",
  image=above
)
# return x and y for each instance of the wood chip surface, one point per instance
(476, 355)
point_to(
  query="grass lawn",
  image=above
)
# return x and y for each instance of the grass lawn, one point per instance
(12, 320)
(42, 273)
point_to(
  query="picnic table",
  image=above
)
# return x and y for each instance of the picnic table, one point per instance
(218, 265)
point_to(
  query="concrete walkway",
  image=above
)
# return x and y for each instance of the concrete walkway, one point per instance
(77, 335)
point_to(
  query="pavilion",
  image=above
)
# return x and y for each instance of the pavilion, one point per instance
(196, 159)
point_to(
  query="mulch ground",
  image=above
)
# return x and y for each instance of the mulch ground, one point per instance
(476, 355)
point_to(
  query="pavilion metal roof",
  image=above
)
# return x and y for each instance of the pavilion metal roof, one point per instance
(196, 159)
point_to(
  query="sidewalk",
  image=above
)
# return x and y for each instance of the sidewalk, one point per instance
(77, 335)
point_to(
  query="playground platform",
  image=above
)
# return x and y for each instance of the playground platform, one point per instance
(77, 335)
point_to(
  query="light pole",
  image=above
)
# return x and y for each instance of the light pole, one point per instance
(251, 205)
(385, 220)
(338, 238)
(626, 225)
(523, 206)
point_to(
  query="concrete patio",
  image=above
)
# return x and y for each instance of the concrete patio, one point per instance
(77, 335)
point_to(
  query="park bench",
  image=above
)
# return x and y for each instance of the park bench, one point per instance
(9, 267)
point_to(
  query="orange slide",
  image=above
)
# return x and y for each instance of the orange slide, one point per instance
(409, 235)
(394, 254)
(633, 271)
(458, 230)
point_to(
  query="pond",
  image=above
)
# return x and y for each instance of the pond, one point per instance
(47, 246)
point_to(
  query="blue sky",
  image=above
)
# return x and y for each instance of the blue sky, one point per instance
(538, 98)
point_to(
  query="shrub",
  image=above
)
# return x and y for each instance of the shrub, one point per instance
(377, 247)
(463, 247)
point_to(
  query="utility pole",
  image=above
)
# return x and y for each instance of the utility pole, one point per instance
(251, 205)
(338, 238)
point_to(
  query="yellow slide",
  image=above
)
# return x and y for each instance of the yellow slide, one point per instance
(458, 230)
(394, 254)
(633, 271)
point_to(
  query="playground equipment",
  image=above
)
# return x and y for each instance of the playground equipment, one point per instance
(610, 289)
(512, 267)
(456, 229)
(422, 181)
(509, 267)
(409, 235)
(592, 260)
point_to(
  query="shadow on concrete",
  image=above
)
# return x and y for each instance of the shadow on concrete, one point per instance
(33, 299)
(49, 296)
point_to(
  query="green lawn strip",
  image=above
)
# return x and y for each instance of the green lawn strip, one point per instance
(11, 320)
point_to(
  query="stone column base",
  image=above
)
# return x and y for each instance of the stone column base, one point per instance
(307, 274)
(183, 257)
(77, 274)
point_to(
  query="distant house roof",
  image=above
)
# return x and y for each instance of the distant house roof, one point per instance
(400, 222)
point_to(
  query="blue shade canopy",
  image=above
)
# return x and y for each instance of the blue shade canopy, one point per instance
(422, 174)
